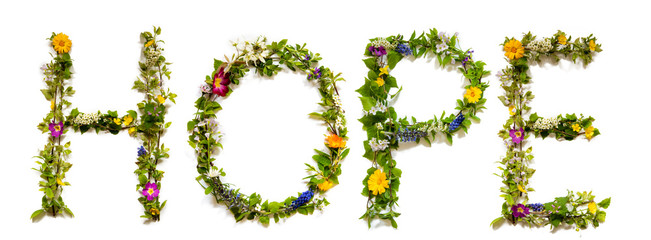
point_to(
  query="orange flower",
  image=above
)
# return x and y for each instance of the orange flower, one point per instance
(335, 141)
(513, 49)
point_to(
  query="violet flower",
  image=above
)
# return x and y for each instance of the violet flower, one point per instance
(377, 51)
(220, 83)
(150, 191)
(520, 210)
(56, 129)
(516, 135)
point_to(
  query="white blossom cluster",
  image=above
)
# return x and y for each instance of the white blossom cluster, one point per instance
(339, 122)
(546, 123)
(253, 51)
(437, 126)
(152, 56)
(541, 46)
(381, 42)
(378, 145)
(379, 107)
(86, 119)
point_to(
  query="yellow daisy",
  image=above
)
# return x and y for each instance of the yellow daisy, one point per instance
(576, 127)
(380, 82)
(325, 185)
(473, 94)
(377, 182)
(61, 43)
(160, 99)
(592, 45)
(127, 120)
(589, 132)
(562, 39)
(513, 49)
(117, 121)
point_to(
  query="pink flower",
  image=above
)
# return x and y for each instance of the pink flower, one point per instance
(150, 191)
(517, 135)
(520, 211)
(56, 129)
(220, 83)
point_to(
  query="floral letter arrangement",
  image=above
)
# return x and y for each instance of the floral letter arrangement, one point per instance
(578, 209)
(149, 127)
(205, 139)
(385, 130)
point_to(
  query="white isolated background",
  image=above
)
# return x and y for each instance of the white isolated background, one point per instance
(447, 191)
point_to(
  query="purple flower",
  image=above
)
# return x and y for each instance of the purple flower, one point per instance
(56, 129)
(150, 191)
(517, 135)
(377, 51)
(307, 57)
(220, 83)
(316, 74)
(468, 58)
(520, 210)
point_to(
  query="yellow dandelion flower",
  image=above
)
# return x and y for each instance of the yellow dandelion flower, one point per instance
(325, 185)
(380, 81)
(377, 182)
(576, 127)
(149, 43)
(132, 130)
(592, 45)
(61, 43)
(513, 49)
(160, 99)
(512, 110)
(384, 71)
(473, 94)
(127, 120)
(117, 121)
(592, 207)
(562, 39)
(522, 189)
(589, 132)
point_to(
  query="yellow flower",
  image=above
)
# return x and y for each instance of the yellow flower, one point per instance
(149, 43)
(380, 82)
(473, 94)
(513, 49)
(154, 211)
(377, 183)
(117, 121)
(512, 110)
(325, 185)
(132, 130)
(589, 132)
(522, 189)
(60, 182)
(384, 71)
(562, 39)
(592, 45)
(160, 99)
(335, 141)
(592, 207)
(61, 43)
(52, 104)
(127, 120)
(576, 127)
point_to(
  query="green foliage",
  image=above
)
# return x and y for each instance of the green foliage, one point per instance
(267, 60)
(382, 123)
(578, 209)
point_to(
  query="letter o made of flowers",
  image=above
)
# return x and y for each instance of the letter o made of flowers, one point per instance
(386, 130)
(267, 60)
(574, 209)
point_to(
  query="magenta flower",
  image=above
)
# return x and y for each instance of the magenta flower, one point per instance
(150, 191)
(377, 51)
(56, 129)
(220, 83)
(517, 135)
(520, 210)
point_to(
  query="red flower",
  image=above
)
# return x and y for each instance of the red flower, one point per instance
(220, 83)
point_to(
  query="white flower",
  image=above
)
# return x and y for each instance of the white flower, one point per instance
(379, 107)
(546, 123)
(541, 46)
(378, 145)
(379, 126)
(441, 47)
(86, 119)
(213, 172)
(437, 127)
(381, 42)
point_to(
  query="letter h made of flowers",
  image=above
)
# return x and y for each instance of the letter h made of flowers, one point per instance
(146, 123)
(574, 209)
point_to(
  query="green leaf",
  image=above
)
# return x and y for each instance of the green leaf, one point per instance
(393, 58)
(367, 103)
(48, 193)
(497, 220)
(208, 190)
(36, 213)
(394, 224)
(604, 203)
(370, 63)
